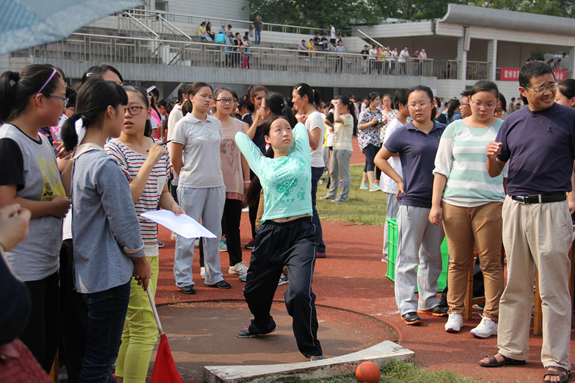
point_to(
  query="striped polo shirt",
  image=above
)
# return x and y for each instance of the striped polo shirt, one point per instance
(130, 163)
(461, 157)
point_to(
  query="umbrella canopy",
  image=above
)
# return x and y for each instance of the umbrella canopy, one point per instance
(28, 23)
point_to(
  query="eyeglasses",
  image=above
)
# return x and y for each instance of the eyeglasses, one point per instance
(135, 110)
(421, 105)
(542, 88)
(226, 100)
(61, 98)
(465, 104)
(487, 106)
(498, 111)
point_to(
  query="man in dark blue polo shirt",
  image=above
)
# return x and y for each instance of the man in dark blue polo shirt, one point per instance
(538, 143)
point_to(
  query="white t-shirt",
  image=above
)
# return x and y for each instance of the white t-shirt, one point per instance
(315, 121)
(403, 55)
(333, 36)
(387, 184)
(372, 53)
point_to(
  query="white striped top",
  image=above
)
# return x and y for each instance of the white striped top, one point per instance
(130, 163)
(461, 157)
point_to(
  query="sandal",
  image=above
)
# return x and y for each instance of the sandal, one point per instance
(557, 371)
(505, 362)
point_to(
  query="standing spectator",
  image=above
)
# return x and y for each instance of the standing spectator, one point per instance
(469, 203)
(332, 34)
(418, 240)
(202, 33)
(403, 56)
(465, 108)
(394, 59)
(340, 49)
(230, 30)
(369, 140)
(416, 63)
(344, 121)
(372, 58)
(538, 229)
(388, 185)
(364, 59)
(229, 51)
(246, 52)
(381, 59)
(257, 26)
(201, 191)
(512, 105)
(422, 55)
(558, 65)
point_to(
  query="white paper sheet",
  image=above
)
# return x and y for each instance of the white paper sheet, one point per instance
(183, 225)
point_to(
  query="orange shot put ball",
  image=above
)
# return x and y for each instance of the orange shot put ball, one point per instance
(367, 372)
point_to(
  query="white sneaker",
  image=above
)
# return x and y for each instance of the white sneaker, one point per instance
(454, 323)
(485, 329)
(174, 236)
(203, 272)
(238, 269)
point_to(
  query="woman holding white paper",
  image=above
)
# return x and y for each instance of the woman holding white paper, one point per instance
(146, 164)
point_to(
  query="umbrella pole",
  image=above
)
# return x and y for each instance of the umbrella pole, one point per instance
(160, 329)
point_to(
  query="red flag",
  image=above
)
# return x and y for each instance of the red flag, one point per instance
(165, 368)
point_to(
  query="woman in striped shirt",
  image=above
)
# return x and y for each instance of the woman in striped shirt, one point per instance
(469, 202)
(146, 164)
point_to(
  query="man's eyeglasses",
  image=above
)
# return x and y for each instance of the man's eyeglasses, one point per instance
(61, 98)
(542, 88)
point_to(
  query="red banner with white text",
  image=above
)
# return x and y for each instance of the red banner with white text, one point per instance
(512, 74)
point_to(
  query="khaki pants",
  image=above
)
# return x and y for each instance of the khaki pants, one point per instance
(464, 227)
(539, 234)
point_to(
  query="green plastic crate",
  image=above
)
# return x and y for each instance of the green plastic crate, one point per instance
(392, 235)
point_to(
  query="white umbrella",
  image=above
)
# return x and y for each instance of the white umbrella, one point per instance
(28, 23)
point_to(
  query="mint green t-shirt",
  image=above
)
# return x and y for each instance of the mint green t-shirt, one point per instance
(286, 180)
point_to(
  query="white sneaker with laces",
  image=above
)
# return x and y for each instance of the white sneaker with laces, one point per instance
(203, 272)
(238, 268)
(454, 323)
(485, 329)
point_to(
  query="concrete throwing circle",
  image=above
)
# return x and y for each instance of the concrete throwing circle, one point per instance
(204, 334)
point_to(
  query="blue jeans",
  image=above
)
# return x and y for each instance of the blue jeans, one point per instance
(106, 315)
(315, 176)
(258, 37)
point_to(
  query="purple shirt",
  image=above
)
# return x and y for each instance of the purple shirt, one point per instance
(540, 148)
(417, 152)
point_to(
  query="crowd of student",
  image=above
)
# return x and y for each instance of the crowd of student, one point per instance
(459, 174)
(383, 60)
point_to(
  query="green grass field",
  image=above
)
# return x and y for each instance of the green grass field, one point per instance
(362, 207)
(396, 372)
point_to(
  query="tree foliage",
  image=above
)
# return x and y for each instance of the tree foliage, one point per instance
(342, 13)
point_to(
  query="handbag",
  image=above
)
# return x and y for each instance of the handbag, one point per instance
(18, 365)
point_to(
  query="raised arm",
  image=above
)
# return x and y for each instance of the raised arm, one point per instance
(494, 165)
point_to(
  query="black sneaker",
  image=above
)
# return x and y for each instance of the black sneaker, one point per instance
(188, 289)
(245, 333)
(316, 358)
(161, 244)
(411, 318)
(437, 311)
(221, 285)
(250, 244)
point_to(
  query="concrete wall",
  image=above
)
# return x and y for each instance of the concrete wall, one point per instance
(236, 9)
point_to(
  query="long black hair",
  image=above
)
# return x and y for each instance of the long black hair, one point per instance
(192, 90)
(279, 107)
(567, 88)
(94, 97)
(345, 101)
(97, 71)
(453, 104)
(251, 93)
(17, 89)
(313, 96)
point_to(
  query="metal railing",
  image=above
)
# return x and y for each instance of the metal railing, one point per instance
(218, 22)
(447, 70)
(137, 50)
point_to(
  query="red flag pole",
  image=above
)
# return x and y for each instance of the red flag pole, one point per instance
(165, 370)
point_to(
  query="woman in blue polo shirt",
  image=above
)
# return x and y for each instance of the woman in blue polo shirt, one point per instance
(418, 241)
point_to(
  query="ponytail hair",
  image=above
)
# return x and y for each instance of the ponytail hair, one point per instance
(345, 101)
(313, 96)
(453, 104)
(93, 99)
(279, 107)
(192, 90)
(251, 93)
(16, 89)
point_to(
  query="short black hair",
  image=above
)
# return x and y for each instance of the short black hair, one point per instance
(533, 69)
